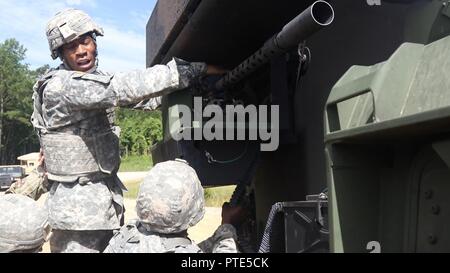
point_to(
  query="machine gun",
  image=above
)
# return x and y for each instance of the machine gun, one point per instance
(319, 15)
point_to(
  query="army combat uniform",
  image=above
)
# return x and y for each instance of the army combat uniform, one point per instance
(32, 186)
(170, 201)
(74, 116)
(24, 225)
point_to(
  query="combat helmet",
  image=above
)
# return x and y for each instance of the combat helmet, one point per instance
(67, 26)
(171, 198)
(24, 225)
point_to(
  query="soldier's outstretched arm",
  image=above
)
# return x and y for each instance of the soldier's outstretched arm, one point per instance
(225, 238)
(223, 241)
(153, 103)
(80, 91)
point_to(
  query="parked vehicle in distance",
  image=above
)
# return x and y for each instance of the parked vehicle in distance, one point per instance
(9, 175)
(5, 182)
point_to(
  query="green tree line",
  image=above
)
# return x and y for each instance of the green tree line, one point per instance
(140, 130)
(16, 106)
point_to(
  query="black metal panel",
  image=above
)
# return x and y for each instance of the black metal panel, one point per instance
(165, 24)
(234, 159)
(303, 232)
(297, 227)
(226, 32)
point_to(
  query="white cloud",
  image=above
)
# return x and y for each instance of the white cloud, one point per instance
(26, 21)
(89, 3)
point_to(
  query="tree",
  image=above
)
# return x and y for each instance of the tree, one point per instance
(140, 131)
(16, 83)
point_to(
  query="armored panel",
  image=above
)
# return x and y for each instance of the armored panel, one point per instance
(166, 22)
(218, 32)
(410, 82)
(387, 152)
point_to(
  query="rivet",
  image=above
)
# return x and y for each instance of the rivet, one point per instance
(432, 239)
(436, 209)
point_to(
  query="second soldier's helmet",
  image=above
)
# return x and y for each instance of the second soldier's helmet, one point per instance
(171, 199)
(23, 224)
(67, 26)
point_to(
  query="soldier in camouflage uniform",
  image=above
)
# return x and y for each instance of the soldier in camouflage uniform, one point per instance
(74, 116)
(34, 185)
(23, 225)
(170, 201)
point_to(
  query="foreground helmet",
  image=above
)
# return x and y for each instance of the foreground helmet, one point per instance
(67, 26)
(23, 224)
(171, 199)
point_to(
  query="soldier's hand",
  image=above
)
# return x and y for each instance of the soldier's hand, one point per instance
(233, 215)
(215, 70)
(41, 162)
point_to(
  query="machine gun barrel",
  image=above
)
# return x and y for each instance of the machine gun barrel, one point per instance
(310, 21)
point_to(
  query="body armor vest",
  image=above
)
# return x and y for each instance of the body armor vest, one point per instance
(87, 150)
(169, 242)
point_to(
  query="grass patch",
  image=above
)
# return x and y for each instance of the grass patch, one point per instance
(133, 189)
(136, 164)
(215, 197)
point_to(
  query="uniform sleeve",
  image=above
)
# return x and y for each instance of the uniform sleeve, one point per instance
(81, 91)
(33, 186)
(223, 241)
(149, 105)
(119, 242)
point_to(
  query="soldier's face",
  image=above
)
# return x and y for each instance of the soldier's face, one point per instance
(80, 54)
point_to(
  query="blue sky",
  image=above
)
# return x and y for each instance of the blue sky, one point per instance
(124, 22)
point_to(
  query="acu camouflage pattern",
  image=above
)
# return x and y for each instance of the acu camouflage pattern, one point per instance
(23, 224)
(136, 238)
(97, 205)
(32, 186)
(171, 199)
(223, 241)
(66, 241)
(80, 107)
(68, 25)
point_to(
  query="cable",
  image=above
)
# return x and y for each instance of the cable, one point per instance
(212, 160)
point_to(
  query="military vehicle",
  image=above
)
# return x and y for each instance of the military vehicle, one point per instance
(363, 95)
(9, 175)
